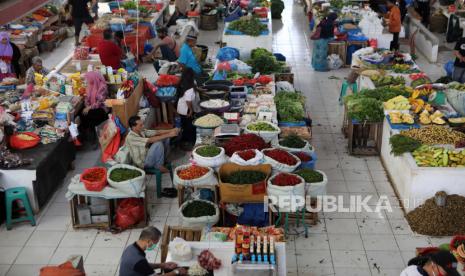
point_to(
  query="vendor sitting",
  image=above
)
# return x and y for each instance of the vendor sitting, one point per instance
(36, 68)
(134, 263)
(110, 53)
(148, 148)
(168, 46)
(187, 57)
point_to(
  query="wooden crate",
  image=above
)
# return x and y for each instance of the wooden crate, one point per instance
(289, 77)
(339, 48)
(311, 218)
(364, 138)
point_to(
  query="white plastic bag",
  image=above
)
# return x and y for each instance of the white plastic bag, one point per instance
(280, 167)
(317, 188)
(208, 179)
(268, 136)
(286, 191)
(257, 160)
(132, 187)
(307, 148)
(123, 155)
(214, 162)
(240, 66)
(199, 222)
(284, 86)
(334, 62)
(180, 250)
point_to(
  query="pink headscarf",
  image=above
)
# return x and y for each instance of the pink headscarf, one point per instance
(96, 89)
(5, 49)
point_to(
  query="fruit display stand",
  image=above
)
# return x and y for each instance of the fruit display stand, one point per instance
(224, 251)
(415, 184)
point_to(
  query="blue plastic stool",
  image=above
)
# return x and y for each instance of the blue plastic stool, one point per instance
(158, 175)
(344, 87)
(18, 193)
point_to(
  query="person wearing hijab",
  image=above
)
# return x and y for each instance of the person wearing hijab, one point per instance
(36, 68)
(320, 47)
(95, 111)
(441, 263)
(9, 57)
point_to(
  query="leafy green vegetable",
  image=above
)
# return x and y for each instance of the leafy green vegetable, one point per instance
(381, 93)
(292, 141)
(198, 208)
(130, 5)
(123, 174)
(290, 106)
(208, 151)
(244, 177)
(261, 126)
(420, 81)
(365, 109)
(264, 62)
(248, 25)
(309, 175)
(401, 144)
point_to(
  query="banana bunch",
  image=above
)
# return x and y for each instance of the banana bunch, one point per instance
(397, 103)
(397, 117)
(461, 251)
(436, 118)
(427, 156)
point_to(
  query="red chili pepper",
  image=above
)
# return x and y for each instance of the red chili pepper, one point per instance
(286, 179)
(192, 172)
(281, 156)
(94, 175)
(244, 142)
(167, 80)
(264, 79)
(304, 157)
(246, 154)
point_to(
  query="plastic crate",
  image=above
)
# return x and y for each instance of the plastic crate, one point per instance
(238, 92)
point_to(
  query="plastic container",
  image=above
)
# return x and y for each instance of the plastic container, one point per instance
(95, 186)
(309, 164)
(238, 92)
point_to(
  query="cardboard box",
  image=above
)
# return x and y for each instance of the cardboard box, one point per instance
(83, 214)
(99, 219)
(244, 193)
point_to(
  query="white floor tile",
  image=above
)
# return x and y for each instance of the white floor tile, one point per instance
(35, 255)
(315, 271)
(62, 254)
(314, 258)
(313, 242)
(385, 259)
(106, 239)
(81, 238)
(104, 256)
(374, 226)
(345, 242)
(349, 258)
(54, 223)
(379, 242)
(59, 209)
(410, 242)
(100, 270)
(4, 269)
(45, 238)
(8, 254)
(14, 237)
(24, 269)
(342, 226)
(350, 271)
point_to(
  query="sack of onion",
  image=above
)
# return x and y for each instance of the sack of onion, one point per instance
(209, 156)
(247, 157)
(280, 160)
(315, 181)
(194, 175)
(286, 185)
(198, 213)
(128, 179)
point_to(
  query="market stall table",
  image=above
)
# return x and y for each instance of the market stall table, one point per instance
(50, 164)
(224, 251)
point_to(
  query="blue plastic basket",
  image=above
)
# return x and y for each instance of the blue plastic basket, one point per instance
(309, 164)
(401, 126)
(292, 124)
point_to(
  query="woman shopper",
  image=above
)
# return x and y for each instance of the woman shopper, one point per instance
(187, 106)
(9, 57)
(95, 111)
(320, 45)
(394, 24)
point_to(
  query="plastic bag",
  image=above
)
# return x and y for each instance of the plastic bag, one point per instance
(65, 269)
(96, 185)
(215, 161)
(208, 179)
(132, 187)
(284, 86)
(227, 54)
(334, 62)
(449, 68)
(180, 250)
(123, 156)
(130, 211)
(257, 160)
(199, 221)
(240, 67)
(150, 92)
(220, 75)
(16, 142)
(280, 167)
(106, 131)
(286, 191)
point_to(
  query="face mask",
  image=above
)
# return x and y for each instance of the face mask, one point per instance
(152, 247)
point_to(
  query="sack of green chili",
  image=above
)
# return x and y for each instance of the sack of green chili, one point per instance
(209, 178)
(285, 187)
(127, 179)
(316, 181)
(198, 213)
(268, 131)
(209, 156)
(307, 148)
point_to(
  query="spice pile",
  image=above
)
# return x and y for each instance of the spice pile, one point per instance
(124, 174)
(208, 151)
(192, 172)
(310, 176)
(244, 177)
(244, 142)
(434, 135)
(246, 155)
(209, 121)
(430, 219)
(292, 141)
(286, 179)
(281, 156)
(198, 208)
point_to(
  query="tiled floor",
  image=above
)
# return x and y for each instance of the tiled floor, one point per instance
(341, 244)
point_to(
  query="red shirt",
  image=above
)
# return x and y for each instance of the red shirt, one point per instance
(110, 54)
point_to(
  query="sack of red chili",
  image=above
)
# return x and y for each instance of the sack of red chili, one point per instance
(280, 160)
(249, 157)
(285, 185)
(244, 142)
(304, 157)
(94, 179)
(192, 175)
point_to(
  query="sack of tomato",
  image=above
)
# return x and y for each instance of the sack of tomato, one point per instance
(24, 140)
(194, 175)
(94, 179)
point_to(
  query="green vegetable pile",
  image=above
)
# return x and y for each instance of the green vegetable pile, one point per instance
(290, 106)
(261, 126)
(129, 5)
(123, 174)
(277, 7)
(208, 151)
(382, 93)
(244, 177)
(248, 25)
(198, 208)
(401, 144)
(379, 81)
(310, 176)
(365, 109)
(264, 62)
(419, 82)
(292, 141)
(445, 80)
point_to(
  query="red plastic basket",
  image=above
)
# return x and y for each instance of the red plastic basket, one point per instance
(17, 143)
(98, 185)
